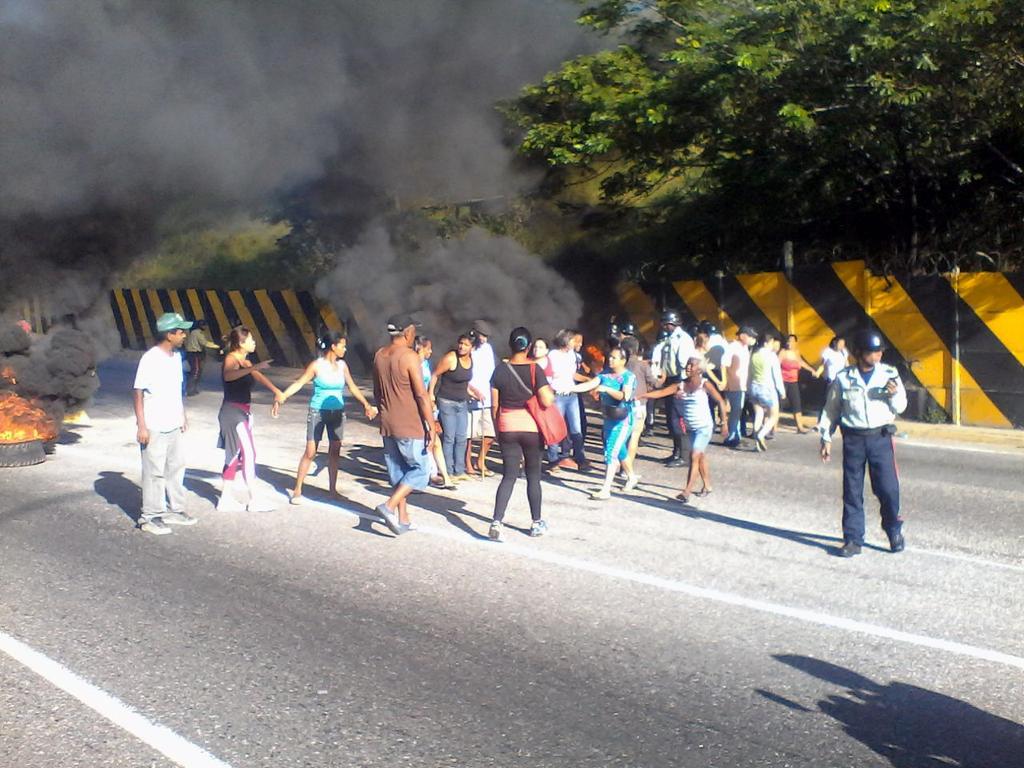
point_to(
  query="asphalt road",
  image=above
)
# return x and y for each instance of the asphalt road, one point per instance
(638, 633)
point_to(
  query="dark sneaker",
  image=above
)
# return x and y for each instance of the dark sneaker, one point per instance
(390, 519)
(539, 528)
(179, 518)
(494, 532)
(896, 541)
(155, 526)
(850, 549)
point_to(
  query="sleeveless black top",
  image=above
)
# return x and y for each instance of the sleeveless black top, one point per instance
(453, 384)
(239, 390)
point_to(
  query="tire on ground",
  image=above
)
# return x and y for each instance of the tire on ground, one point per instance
(22, 454)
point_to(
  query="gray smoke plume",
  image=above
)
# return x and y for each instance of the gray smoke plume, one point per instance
(448, 284)
(116, 112)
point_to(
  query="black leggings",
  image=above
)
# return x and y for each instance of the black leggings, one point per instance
(793, 397)
(519, 448)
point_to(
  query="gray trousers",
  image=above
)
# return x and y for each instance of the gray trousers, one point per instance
(163, 474)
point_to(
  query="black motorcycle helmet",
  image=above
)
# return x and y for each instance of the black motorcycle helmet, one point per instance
(627, 329)
(867, 341)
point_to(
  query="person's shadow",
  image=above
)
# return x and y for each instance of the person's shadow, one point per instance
(911, 727)
(831, 545)
(117, 490)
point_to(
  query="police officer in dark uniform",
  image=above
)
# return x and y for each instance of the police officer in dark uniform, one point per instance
(675, 352)
(864, 400)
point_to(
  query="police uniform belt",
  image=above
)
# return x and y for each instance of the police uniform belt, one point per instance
(886, 429)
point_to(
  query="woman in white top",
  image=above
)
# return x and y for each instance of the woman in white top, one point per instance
(833, 359)
(564, 363)
(694, 394)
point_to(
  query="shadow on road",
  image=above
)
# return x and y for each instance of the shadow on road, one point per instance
(119, 491)
(909, 726)
(829, 544)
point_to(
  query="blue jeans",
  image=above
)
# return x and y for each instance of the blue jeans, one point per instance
(454, 422)
(876, 451)
(735, 400)
(569, 407)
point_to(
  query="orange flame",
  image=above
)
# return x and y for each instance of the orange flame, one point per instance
(8, 375)
(20, 421)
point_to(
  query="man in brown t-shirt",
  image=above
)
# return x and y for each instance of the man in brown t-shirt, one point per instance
(406, 420)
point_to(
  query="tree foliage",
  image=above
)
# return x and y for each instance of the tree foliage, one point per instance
(884, 129)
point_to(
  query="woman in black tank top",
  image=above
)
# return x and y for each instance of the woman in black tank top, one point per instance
(449, 395)
(235, 417)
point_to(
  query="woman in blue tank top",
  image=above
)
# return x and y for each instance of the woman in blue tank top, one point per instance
(330, 376)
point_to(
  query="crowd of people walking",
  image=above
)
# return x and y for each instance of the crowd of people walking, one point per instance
(533, 400)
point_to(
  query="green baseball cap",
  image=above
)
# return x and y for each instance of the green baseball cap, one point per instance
(172, 321)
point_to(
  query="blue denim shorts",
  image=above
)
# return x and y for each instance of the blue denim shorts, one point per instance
(764, 395)
(699, 438)
(407, 461)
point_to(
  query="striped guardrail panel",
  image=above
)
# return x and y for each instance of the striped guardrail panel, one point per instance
(911, 311)
(938, 329)
(283, 322)
(992, 386)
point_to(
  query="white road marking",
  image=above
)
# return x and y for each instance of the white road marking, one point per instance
(1007, 451)
(165, 741)
(966, 559)
(704, 593)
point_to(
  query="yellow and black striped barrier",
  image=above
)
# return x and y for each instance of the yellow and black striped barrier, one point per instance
(957, 337)
(284, 323)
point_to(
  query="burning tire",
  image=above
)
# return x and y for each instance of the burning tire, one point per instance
(22, 454)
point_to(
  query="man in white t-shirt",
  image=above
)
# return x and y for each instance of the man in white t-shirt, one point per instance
(481, 424)
(736, 364)
(161, 422)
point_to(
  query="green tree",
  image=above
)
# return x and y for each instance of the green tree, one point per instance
(885, 129)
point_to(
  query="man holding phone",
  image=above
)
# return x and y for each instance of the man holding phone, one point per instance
(864, 400)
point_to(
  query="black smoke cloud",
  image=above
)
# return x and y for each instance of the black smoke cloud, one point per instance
(116, 112)
(448, 284)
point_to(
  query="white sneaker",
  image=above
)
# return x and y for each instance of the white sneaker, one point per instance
(631, 482)
(178, 518)
(494, 532)
(228, 502)
(261, 504)
(155, 526)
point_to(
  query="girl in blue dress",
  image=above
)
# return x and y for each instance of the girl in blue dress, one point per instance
(616, 387)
